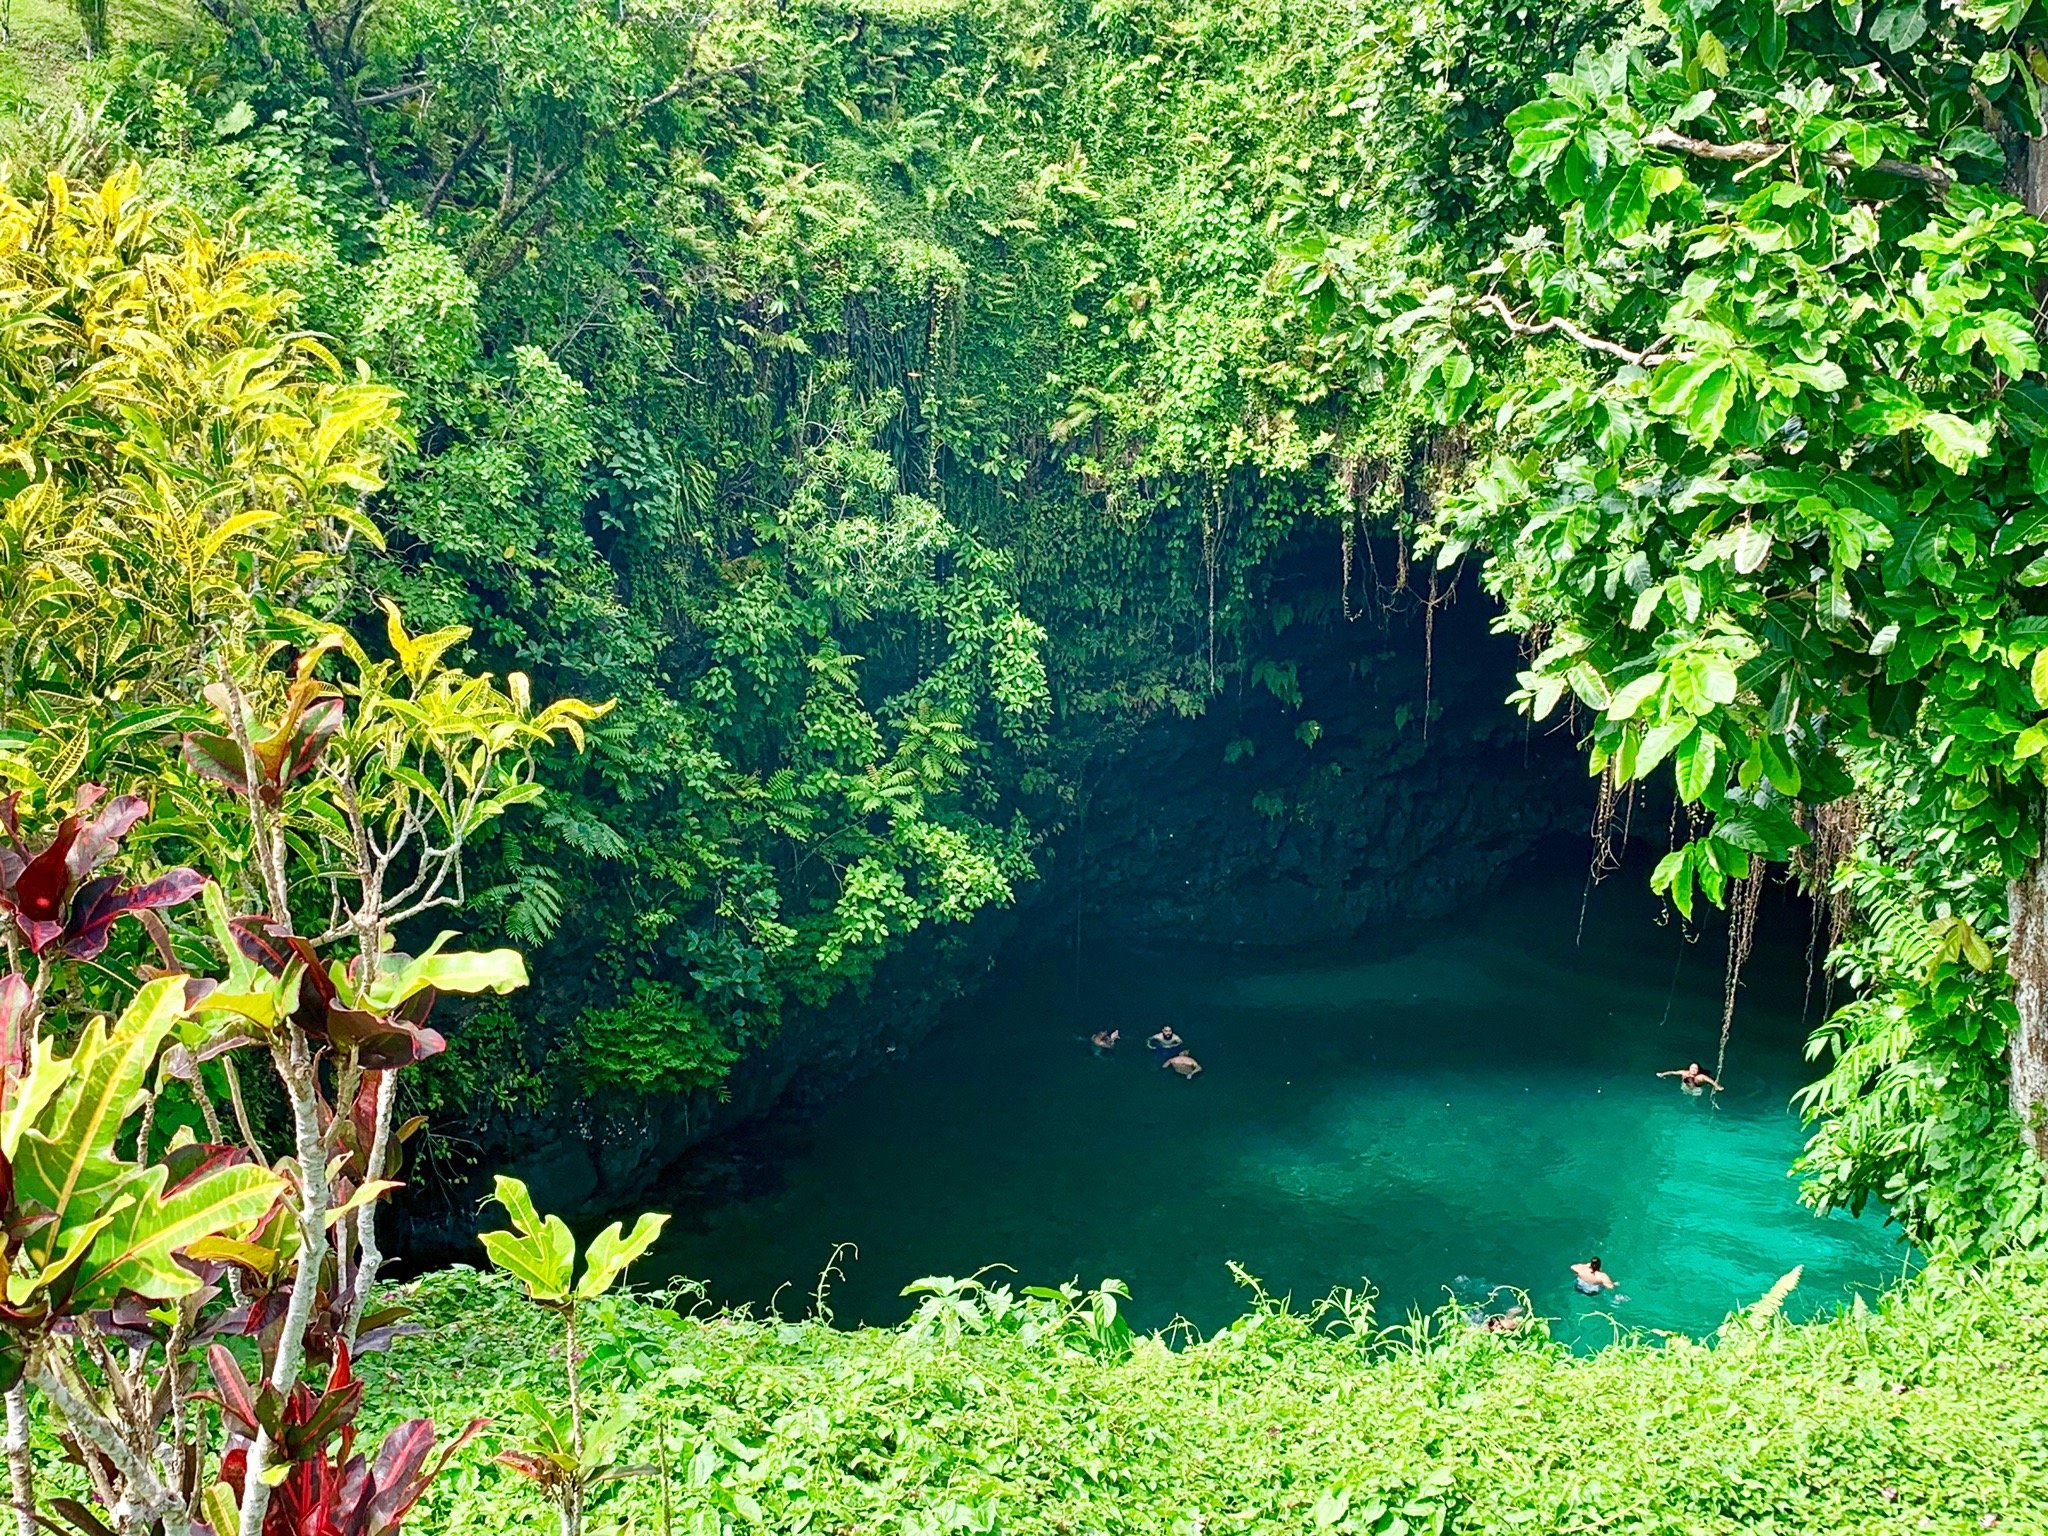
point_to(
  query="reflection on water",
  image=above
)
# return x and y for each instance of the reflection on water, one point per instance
(1434, 1110)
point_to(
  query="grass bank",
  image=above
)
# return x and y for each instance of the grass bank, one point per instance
(43, 47)
(1927, 1412)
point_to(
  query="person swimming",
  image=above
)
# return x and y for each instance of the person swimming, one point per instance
(1590, 1278)
(1165, 1044)
(1184, 1064)
(1104, 1040)
(1693, 1079)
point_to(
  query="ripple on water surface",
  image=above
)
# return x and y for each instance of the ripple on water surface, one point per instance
(1436, 1109)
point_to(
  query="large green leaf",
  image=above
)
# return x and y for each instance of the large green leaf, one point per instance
(469, 971)
(539, 1252)
(609, 1254)
(1900, 25)
(1542, 130)
(1955, 441)
(64, 1162)
(2006, 337)
(47, 1074)
(1621, 203)
(135, 1252)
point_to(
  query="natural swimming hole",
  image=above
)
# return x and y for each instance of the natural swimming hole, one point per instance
(1434, 1110)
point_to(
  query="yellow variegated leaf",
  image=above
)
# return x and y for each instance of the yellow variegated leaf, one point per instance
(367, 1193)
(136, 1252)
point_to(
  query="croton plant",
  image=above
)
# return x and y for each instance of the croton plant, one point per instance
(174, 1282)
(226, 829)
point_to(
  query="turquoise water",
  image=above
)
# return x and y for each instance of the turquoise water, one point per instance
(1433, 1110)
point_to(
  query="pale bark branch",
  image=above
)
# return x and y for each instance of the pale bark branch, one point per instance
(1497, 306)
(369, 1256)
(395, 93)
(21, 1467)
(297, 1069)
(1757, 151)
(143, 1499)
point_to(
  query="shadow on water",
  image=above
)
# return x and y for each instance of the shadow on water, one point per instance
(1437, 1109)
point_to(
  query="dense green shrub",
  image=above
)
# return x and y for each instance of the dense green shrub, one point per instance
(659, 1040)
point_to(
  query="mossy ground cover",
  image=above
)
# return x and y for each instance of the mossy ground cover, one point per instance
(1925, 1412)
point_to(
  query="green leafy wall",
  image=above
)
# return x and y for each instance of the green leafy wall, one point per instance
(887, 404)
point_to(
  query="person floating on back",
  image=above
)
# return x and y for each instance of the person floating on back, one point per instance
(1184, 1064)
(1590, 1278)
(1105, 1041)
(1693, 1078)
(1165, 1044)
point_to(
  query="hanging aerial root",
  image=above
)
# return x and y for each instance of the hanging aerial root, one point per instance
(1834, 831)
(1742, 909)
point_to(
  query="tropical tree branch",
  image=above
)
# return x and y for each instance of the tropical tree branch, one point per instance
(1497, 306)
(1757, 151)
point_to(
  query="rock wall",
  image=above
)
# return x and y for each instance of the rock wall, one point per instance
(1272, 823)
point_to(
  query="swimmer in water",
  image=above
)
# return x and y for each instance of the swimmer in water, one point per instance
(1693, 1079)
(1590, 1278)
(1509, 1321)
(1164, 1044)
(1105, 1041)
(1184, 1064)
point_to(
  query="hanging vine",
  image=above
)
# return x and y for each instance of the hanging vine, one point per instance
(1744, 898)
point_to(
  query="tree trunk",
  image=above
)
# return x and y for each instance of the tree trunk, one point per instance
(2027, 1050)
(21, 1467)
(2027, 897)
(2034, 178)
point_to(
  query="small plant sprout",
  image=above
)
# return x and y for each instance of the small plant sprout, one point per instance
(563, 1454)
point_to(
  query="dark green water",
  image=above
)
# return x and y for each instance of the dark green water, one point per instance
(1430, 1110)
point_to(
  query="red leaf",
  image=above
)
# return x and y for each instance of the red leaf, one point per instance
(318, 726)
(527, 1464)
(338, 1375)
(99, 902)
(195, 1160)
(15, 1000)
(306, 1502)
(41, 888)
(235, 1397)
(381, 1041)
(396, 1481)
(332, 1414)
(218, 758)
(263, 940)
(99, 839)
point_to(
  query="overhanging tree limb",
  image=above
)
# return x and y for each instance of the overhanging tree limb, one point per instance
(1757, 151)
(1497, 306)
(512, 209)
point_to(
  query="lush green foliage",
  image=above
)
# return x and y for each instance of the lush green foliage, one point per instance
(565, 1455)
(1041, 1413)
(894, 406)
(1911, 1107)
(1754, 424)
(838, 388)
